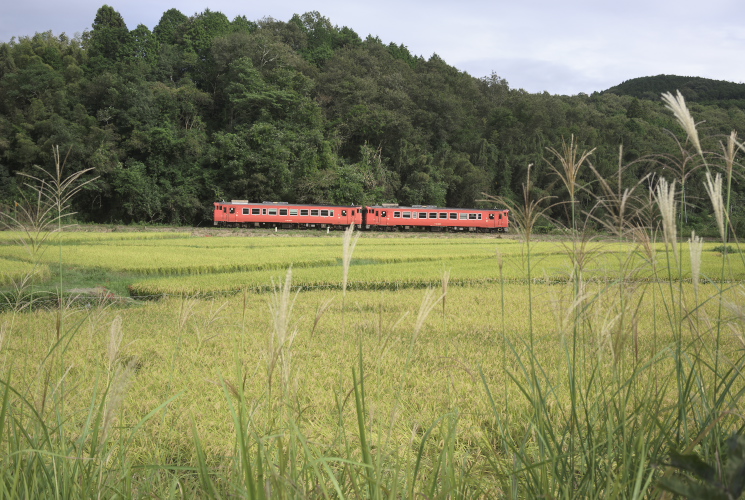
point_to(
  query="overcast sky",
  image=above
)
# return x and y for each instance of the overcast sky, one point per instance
(562, 47)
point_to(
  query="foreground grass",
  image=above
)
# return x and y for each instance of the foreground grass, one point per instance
(468, 363)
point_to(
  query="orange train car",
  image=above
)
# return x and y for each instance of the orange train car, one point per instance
(432, 218)
(241, 213)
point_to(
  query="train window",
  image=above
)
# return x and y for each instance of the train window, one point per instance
(491, 216)
(293, 211)
(232, 210)
(225, 210)
(272, 211)
(343, 213)
(331, 213)
(354, 212)
(472, 216)
(314, 213)
(414, 215)
(443, 215)
(407, 215)
(396, 215)
(479, 216)
(303, 211)
(282, 211)
(433, 215)
(463, 215)
(383, 213)
(255, 211)
(245, 211)
(324, 213)
(453, 215)
(500, 216)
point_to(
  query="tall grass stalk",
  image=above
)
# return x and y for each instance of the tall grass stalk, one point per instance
(571, 162)
(53, 448)
(721, 214)
(525, 216)
(54, 192)
(279, 351)
(348, 243)
(445, 281)
(614, 427)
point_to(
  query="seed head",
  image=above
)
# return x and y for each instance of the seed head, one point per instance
(666, 203)
(677, 105)
(714, 188)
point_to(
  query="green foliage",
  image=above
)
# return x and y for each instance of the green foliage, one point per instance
(169, 25)
(109, 41)
(727, 484)
(694, 89)
(305, 110)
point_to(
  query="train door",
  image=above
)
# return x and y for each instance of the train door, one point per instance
(363, 211)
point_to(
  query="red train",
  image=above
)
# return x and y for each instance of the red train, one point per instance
(241, 213)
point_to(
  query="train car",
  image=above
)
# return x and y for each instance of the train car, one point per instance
(241, 213)
(432, 218)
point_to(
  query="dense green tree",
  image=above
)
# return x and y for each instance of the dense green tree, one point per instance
(170, 26)
(302, 110)
(109, 41)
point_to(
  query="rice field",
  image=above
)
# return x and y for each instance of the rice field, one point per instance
(423, 263)
(13, 271)
(82, 236)
(471, 343)
(151, 256)
(177, 263)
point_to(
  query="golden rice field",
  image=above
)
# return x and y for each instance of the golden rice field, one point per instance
(12, 271)
(490, 355)
(372, 274)
(177, 263)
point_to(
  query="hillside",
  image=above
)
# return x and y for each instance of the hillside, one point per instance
(204, 108)
(694, 89)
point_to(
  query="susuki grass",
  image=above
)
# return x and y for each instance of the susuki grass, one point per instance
(558, 370)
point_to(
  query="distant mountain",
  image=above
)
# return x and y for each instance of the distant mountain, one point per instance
(694, 89)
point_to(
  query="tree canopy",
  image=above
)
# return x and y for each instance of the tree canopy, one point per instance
(203, 108)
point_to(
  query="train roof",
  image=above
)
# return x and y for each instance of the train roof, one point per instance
(390, 206)
(282, 204)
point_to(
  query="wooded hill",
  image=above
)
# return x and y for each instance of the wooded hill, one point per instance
(203, 108)
(693, 88)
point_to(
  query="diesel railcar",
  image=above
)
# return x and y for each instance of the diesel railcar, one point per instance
(241, 213)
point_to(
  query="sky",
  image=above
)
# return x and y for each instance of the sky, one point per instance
(560, 47)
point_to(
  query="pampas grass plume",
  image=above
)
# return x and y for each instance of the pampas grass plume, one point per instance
(714, 189)
(676, 104)
(666, 203)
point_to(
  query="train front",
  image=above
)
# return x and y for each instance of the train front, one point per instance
(219, 216)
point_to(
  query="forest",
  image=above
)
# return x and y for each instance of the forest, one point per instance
(203, 108)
